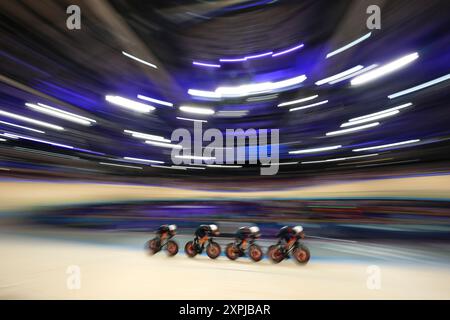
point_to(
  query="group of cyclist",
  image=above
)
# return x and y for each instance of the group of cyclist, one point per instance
(287, 235)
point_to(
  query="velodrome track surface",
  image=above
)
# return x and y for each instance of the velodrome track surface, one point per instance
(114, 266)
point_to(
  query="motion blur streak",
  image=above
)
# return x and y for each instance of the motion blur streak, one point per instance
(87, 116)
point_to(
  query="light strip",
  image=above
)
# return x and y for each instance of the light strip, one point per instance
(259, 55)
(142, 160)
(61, 114)
(222, 166)
(344, 131)
(349, 45)
(15, 136)
(373, 66)
(189, 119)
(167, 167)
(420, 86)
(340, 159)
(288, 103)
(195, 157)
(202, 64)
(22, 127)
(387, 145)
(1, 139)
(405, 105)
(339, 75)
(29, 120)
(196, 110)
(288, 50)
(119, 165)
(164, 103)
(369, 119)
(163, 144)
(309, 106)
(204, 93)
(139, 60)
(315, 150)
(146, 136)
(130, 104)
(385, 69)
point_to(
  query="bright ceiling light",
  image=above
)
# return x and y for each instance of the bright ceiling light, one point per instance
(369, 119)
(276, 54)
(387, 145)
(164, 103)
(340, 75)
(288, 103)
(130, 104)
(139, 60)
(189, 119)
(163, 144)
(373, 66)
(61, 114)
(419, 87)
(372, 115)
(29, 120)
(340, 159)
(344, 131)
(188, 157)
(146, 136)
(309, 106)
(384, 69)
(21, 127)
(315, 150)
(197, 110)
(349, 45)
(143, 160)
(202, 64)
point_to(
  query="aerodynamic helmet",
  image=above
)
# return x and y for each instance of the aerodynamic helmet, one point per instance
(172, 227)
(297, 229)
(213, 227)
(254, 229)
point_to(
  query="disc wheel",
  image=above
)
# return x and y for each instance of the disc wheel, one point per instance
(213, 250)
(172, 248)
(301, 254)
(154, 246)
(274, 253)
(189, 248)
(231, 251)
(255, 252)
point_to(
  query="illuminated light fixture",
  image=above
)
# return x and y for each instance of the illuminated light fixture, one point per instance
(163, 144)
(61, 114)
(15, 136)
(235, 113)
(280, 163)
(384, 69)
(29, 120)
(309, 106)
(344, 131)
(276, 54)
(387, 145)
(222, 166)
(256, 88)
(197, 110)
(262, 98)
(369, 119)
(119, 165)
(164, 103)
(1, 139)
(315, 149)
(339, 75)
(373, 66)
(202, 64)
(265, 54)
(204, 94)
(169, 167)
(259, 55)
(139, 60)
(405, 105)
(349, 45)
(189, 119)
(195, 157)
(419, 87)
(21, 127)
(146, 136)
(130, 104)
(142, 160)
(288, 103)
(340, 159)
